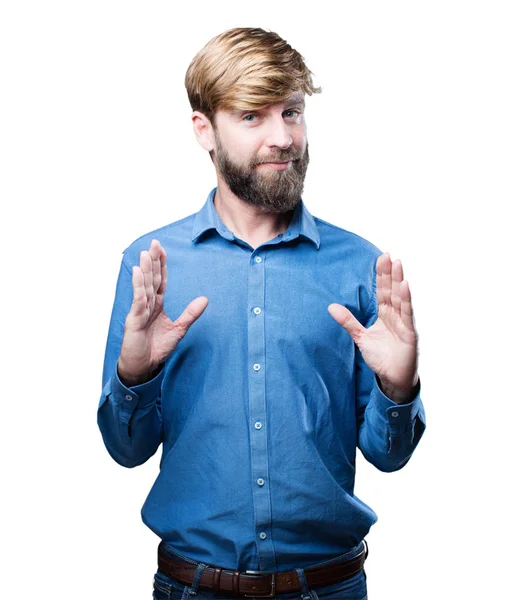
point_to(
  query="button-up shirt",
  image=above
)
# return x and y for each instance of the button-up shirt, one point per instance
(261, 406)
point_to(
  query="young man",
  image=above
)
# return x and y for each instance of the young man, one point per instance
(294, 344)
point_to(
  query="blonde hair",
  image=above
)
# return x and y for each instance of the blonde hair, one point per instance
(245, 69)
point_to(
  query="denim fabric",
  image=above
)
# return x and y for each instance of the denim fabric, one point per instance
(261, 406)
(352, 588)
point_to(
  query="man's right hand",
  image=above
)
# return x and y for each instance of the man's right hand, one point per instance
(149, 334)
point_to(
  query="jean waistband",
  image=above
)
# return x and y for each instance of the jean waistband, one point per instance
(346, 556)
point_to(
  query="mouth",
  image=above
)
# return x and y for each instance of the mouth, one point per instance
(276, 166)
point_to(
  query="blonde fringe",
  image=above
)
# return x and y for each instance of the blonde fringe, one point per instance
(245, 69)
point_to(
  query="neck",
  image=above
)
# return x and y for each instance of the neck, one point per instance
(246, 221)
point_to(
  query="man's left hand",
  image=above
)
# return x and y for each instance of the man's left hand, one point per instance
(389, 346)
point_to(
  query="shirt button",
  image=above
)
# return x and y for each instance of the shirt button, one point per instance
(258, 425)
(129, 397)
(256, 366)
(260, 481)
(263, 535)
(258, 259)
(394, 413)
(257, 310)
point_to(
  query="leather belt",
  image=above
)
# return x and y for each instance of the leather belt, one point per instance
(259, 584)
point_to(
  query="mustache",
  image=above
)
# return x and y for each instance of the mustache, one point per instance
(282, 156)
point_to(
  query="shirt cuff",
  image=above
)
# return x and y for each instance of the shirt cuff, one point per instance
(398, 416)
(141, 396)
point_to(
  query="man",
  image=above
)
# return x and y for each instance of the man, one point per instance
(294, 344)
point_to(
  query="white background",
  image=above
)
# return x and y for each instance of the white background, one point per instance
(416, 143)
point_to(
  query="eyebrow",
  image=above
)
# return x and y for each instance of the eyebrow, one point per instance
(297, 98)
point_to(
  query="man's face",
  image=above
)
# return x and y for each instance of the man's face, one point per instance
(262, 155)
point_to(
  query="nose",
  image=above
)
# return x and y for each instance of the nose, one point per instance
(278, 134)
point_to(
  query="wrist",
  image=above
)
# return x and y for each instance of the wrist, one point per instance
(130, 379)
(399, 394)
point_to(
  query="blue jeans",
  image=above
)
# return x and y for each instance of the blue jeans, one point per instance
(353, 588)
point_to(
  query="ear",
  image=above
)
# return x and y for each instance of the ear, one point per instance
(203, 130)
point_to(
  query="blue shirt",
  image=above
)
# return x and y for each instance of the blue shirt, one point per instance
(261, 406)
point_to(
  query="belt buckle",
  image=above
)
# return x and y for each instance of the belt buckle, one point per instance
(273, 585)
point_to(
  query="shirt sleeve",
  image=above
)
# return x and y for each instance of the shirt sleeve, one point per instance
(388, 433)
(129, 419)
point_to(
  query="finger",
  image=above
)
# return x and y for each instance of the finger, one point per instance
(139, 293)
(163, 271)
(406, 308)
(384, 279)
(191, 313)
(344, 318)
(397, 276)
(155, 251)
(146, 266)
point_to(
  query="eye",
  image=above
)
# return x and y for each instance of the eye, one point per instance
(249, 118)
(291, 113)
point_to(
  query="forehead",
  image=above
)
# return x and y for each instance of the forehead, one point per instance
(295, 98)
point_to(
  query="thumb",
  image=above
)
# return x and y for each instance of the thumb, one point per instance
(191, 313)
(345, 318)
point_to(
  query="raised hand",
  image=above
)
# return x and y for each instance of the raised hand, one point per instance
(389, 346)
(149, 334)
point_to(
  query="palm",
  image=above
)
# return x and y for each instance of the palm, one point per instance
(390, 348)
(151, 343)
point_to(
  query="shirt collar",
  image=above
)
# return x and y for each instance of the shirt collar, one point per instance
(302, 223)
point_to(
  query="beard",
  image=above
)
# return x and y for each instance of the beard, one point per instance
(271, 191)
